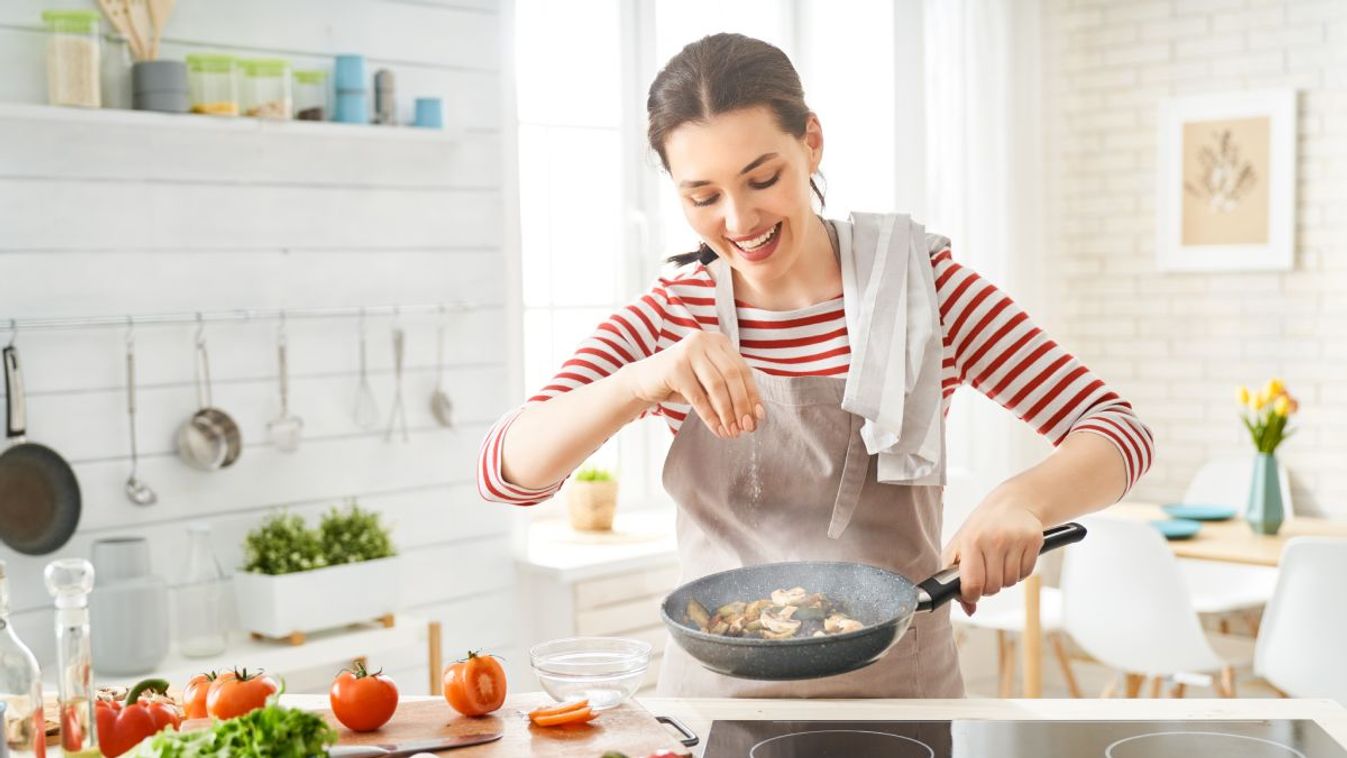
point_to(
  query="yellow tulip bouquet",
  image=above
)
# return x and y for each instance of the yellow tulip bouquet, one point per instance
(1265, 414)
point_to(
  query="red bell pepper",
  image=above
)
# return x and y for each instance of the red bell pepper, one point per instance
(122, 725)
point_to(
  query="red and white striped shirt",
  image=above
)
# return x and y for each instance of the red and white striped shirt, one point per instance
(989, 342)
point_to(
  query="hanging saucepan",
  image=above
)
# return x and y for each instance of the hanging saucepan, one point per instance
(210, 439)
(885, 602)
(39, 495)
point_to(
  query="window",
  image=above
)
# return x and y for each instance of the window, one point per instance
(598, 217)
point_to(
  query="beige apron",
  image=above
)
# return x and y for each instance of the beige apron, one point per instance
(774, 495)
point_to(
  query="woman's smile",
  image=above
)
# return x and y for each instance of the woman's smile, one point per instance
(758, 248)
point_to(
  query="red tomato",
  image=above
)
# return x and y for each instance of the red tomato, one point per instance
(237, 693)
(194, 694)
(475, 685)
(361, 700)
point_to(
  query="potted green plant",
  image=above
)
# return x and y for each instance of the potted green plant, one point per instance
(591, 500)
(296, 579)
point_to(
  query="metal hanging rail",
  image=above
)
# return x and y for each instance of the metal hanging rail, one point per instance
(242, 314)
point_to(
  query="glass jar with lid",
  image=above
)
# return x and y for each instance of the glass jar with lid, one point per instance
(311, 95)
(212, 81)
(73, 63)
(266, 90)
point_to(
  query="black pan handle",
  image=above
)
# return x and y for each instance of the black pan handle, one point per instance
(944, 586)
(689, 737)
(15, 422)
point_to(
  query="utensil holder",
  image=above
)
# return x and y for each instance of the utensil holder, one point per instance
(160, 86)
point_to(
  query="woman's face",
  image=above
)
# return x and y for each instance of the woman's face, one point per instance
(744, 187)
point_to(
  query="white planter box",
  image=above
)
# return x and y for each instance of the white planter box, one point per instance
(309, 601)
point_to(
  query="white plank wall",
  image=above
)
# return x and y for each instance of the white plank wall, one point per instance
(110, 213)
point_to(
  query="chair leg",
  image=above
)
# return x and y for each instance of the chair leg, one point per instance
(1225, 684)
(1178, 689)
(1060, 651)
(434, 657)
(1255, 620)
(1155, 686)
(1132, 684)
(1006, 663)
(1223, 625)
(1111, 687)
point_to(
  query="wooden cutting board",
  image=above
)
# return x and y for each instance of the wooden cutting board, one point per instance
(628, 728)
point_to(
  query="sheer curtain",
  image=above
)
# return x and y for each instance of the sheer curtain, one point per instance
(984, 169)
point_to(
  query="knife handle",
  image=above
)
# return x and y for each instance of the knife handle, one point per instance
(689, 738)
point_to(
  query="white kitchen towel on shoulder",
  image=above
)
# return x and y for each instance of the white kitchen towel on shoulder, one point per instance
(893, 325)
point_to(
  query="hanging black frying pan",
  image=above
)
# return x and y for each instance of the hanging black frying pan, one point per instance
(882, 600)
(39, 495)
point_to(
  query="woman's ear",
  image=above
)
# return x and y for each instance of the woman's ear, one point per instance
(813, 142)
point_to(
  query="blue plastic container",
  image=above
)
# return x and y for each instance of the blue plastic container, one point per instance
(429, 113)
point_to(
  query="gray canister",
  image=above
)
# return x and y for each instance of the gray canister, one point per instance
(159, 86)
(129, 608)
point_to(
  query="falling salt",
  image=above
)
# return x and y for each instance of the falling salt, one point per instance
(754, 476)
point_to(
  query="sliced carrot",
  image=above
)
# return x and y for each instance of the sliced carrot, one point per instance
(552, 710)
(568, 717)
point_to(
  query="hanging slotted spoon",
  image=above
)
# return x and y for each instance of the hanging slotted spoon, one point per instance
(441, 407)
(399, 413)
(366, 413)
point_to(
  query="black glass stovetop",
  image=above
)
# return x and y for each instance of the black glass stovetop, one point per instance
(1021, 739)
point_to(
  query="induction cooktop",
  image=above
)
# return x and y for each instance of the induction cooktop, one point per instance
(1021, 739)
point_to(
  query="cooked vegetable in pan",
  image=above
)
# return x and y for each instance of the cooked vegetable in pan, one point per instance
(787, 614)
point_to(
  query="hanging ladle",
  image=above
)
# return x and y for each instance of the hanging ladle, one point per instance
(286, 428)
(137, 491)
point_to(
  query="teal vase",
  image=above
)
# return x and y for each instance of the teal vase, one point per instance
(1265, 511)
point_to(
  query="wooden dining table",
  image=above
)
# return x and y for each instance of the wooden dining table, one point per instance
(1230, 541)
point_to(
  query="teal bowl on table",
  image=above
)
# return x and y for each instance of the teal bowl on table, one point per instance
(1177, 528)
(1196, 512)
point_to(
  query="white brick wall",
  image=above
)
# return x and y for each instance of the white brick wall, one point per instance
(1176, 345)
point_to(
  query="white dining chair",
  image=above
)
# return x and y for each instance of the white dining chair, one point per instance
(1125, 603)
(1003, 613)
(1302, 645)
(1217, 587)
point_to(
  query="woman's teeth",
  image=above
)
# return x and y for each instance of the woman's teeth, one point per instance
(758, 242)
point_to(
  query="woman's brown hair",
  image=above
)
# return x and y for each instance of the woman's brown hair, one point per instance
(718, 74)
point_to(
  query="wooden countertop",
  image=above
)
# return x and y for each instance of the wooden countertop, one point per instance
(699, 713)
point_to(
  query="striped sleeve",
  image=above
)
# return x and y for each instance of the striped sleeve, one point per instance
(628, 335)
(994, 346)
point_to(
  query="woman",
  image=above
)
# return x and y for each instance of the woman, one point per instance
(749, 352)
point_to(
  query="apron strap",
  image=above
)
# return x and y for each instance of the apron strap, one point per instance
(725, 310)
(854, 470)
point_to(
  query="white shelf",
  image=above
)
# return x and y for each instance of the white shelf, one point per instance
(335, 648)
(234, 124)
(638, 540)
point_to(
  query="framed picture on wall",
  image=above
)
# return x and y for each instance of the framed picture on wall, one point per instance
(1227, 182)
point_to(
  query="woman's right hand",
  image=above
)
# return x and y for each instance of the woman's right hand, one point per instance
(705, 371)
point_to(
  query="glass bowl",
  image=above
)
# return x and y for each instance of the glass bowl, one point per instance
(604, 670)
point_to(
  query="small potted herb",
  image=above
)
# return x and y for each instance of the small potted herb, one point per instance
(591, 500)
(296, 579)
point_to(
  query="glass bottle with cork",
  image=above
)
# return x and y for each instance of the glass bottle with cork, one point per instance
(20, 689)
(70, 580)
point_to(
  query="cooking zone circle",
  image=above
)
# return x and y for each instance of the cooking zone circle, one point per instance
(1199, 743)
(841, 743)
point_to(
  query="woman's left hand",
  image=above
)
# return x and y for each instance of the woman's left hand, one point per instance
(996, 547)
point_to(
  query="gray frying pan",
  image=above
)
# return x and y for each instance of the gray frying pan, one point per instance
(882, 600)
(39, 495)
